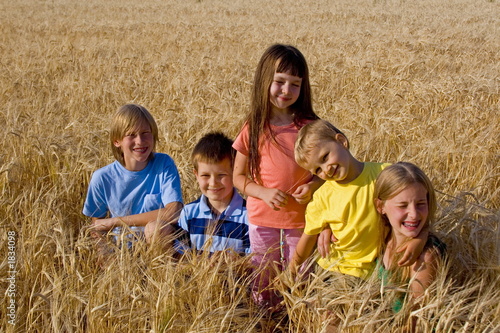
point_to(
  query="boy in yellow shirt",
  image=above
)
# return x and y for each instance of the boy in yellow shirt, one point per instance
(344, 203)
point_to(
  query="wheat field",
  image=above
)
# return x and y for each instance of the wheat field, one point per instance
(414, 81)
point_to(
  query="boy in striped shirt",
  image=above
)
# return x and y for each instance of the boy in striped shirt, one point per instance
(217, 220)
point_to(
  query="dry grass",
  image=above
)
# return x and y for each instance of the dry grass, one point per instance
(415, 81)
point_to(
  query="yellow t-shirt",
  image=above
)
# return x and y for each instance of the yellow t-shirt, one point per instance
(348, 209)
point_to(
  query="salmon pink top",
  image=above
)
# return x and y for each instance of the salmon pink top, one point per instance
(278, 169)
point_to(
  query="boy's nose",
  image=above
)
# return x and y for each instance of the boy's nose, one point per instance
(325, 169)
(323, 173)
(140, 138)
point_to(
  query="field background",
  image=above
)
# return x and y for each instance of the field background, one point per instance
(406, 80)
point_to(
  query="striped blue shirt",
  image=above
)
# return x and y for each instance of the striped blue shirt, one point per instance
(231, 231)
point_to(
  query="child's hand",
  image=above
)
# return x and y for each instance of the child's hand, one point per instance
(274, 198)
(102, 224)
(293, 268)
(408, 257)
(303, 194)
(325, 238)
(413, 248)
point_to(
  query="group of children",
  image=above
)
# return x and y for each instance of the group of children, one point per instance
(304, 190)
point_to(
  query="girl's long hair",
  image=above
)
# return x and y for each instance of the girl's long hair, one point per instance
(277, 58)
(391, 181)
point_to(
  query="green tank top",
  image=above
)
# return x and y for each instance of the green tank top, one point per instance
(384, 274)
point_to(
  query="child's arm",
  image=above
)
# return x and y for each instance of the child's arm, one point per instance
(303, 193)
(413, 248)
(304, 249)
(273, 197)
(326, 237)
(423, 273)
(168, 214)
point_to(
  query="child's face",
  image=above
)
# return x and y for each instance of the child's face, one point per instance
(285, 90)
(136, 145)
(216, 181)
(331, 160)
(407, 211)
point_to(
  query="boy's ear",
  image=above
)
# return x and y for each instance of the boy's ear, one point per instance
(195, 172)
(117, 144)
(341, 138)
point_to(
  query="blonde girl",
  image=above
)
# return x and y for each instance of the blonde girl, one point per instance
(405, 200)
(265, 170)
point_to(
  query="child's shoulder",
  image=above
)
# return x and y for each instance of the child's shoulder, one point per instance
(162, 158)
(378, 166)
(162, 163)
(371, 170)
(429, 256)
(194, 208)
(195, 203)
(434, 252)
(436, 245)
(242, 203)
(111, 170)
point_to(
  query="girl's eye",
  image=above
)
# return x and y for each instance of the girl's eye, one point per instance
(325, 157)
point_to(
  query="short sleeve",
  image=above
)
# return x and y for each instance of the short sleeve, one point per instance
(183, 220)
(95, 203)
(241, 143)
(171, 182)
(315, 221)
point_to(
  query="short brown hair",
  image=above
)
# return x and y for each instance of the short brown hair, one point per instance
(212, 148)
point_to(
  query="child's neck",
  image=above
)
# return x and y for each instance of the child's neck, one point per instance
(355, 170)
(137, 166)
(393, 244)
(281, 117)
(398, 239)
(218, 207)
(390, 251)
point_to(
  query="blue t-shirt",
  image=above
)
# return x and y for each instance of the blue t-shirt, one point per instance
(121, 192)
(231, 231)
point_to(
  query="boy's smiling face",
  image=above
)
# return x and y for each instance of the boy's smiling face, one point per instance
(137, 145)
(216, 182)
(331, 160)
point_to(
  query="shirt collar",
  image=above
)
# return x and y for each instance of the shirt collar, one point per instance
(235, 207)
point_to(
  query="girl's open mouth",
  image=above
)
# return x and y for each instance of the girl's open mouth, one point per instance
(411, 225)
